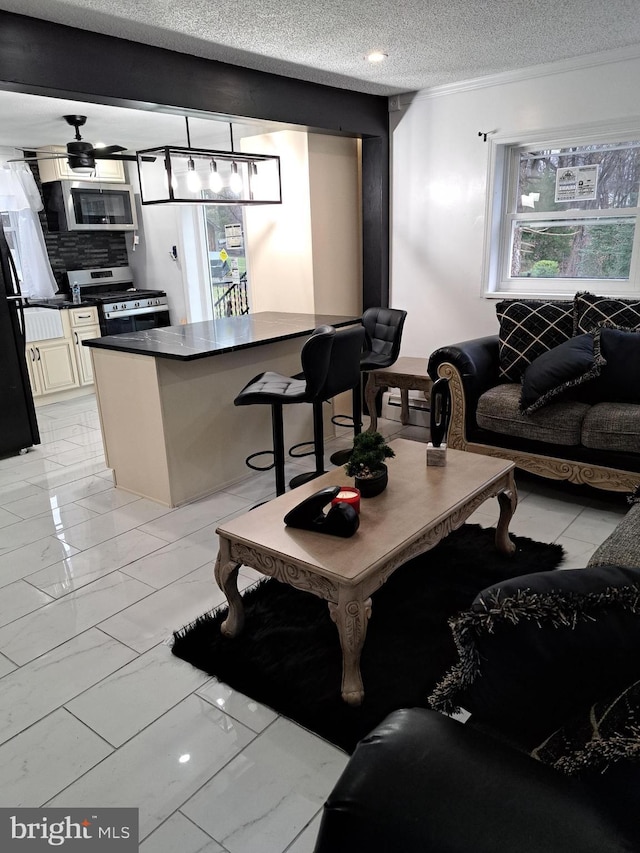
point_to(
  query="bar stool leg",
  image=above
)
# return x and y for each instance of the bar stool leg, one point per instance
(341, 457)
(318, 448)
(318, 437)
(357, 408)
(278, 446)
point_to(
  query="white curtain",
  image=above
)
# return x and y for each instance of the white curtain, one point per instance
(20, 199)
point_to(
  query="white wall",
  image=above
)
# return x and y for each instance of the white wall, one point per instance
(151, 262)
(439, 189)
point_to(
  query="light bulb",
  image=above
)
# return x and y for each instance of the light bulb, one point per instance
(235, 181)
(215, 181)
(174, 182)
(194, 184)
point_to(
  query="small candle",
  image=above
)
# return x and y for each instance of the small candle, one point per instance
(348, 495)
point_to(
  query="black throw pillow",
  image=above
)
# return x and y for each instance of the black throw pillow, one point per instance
(619, 379)
(602, 735)
(535, 650)
(556, 371)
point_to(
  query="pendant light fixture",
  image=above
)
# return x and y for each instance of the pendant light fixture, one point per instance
(172, 174)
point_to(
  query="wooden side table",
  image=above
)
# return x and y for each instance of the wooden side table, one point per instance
(407, 374)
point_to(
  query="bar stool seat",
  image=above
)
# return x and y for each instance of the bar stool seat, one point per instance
(330, 365)
(383, 335)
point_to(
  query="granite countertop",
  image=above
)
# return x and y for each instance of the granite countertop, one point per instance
(214, 337)
(59, 302)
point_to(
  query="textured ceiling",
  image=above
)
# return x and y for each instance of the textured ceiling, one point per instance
(429, 42)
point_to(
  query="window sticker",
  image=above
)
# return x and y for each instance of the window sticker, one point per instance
(577, 183)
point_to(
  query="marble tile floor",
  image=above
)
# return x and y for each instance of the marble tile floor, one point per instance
(94, 709)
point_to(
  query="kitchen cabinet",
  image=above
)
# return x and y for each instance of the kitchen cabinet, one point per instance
(84, 326)
(63, 363)
(52, 366)
(58, 169)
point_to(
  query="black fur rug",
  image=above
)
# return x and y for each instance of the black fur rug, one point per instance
(288, 656)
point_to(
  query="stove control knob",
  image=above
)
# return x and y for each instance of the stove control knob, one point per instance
(136, 304)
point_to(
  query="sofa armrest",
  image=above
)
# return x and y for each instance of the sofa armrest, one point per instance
(424, 782)
(476, 362)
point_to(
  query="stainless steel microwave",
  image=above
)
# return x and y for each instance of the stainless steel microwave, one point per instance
(89, 206)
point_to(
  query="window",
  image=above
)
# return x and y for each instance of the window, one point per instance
(227, 260)
(565, 218)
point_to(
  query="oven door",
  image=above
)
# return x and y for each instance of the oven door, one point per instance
(135, 320)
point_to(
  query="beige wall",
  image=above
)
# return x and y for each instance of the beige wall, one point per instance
(334, 181)
(304, 255)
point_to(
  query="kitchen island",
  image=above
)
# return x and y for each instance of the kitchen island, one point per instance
(165, 396)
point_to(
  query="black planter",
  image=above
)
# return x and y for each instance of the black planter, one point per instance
(372, 486)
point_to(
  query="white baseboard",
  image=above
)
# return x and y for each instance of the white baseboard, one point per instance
(418, 409)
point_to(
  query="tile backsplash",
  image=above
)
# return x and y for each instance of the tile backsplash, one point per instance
(80, 250)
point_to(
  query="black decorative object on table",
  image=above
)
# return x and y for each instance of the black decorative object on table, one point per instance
(341, 520)
(440, 411)
(288, 656)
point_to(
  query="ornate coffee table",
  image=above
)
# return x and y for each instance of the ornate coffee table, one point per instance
(420, 506)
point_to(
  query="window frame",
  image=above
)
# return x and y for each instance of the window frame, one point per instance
(502, 177)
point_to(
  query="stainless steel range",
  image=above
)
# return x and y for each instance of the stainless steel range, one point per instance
(121, 308)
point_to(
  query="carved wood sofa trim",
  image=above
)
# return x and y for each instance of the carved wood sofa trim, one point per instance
(555, 468)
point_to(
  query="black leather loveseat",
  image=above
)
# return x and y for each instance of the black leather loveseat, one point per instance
(589, 433)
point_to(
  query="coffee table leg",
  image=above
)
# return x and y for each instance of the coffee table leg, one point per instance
(370, 391)
(227, 579)
(508, 501)
(351, 618)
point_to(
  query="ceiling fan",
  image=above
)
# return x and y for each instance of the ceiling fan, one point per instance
(81, 154)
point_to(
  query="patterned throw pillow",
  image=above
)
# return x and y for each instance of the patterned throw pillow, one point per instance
(535, 650)
(528, 328)
(591, 311)
(608, 732)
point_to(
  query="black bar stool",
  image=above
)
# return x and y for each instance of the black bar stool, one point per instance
(330, 365)
(383, 336)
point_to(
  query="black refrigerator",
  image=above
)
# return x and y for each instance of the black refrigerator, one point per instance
(18, 424)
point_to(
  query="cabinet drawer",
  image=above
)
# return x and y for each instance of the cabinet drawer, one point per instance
(83, 316)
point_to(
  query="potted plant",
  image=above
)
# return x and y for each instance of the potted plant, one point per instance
(367, 463)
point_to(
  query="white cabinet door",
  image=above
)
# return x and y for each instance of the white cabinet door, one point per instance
(110, 170)
(32, 370)
(83, 354)
(56, 365)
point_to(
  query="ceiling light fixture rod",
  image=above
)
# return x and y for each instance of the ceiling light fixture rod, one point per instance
(231, 137)
(186, 118)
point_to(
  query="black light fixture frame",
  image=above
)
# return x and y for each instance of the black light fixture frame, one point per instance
(188, 153)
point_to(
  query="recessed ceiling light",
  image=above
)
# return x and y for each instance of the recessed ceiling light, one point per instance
(377, 56)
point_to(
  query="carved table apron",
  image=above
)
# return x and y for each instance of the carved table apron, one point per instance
(417, 510)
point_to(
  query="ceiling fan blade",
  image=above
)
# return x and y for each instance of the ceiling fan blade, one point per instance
(35, 159)
(109, 149)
